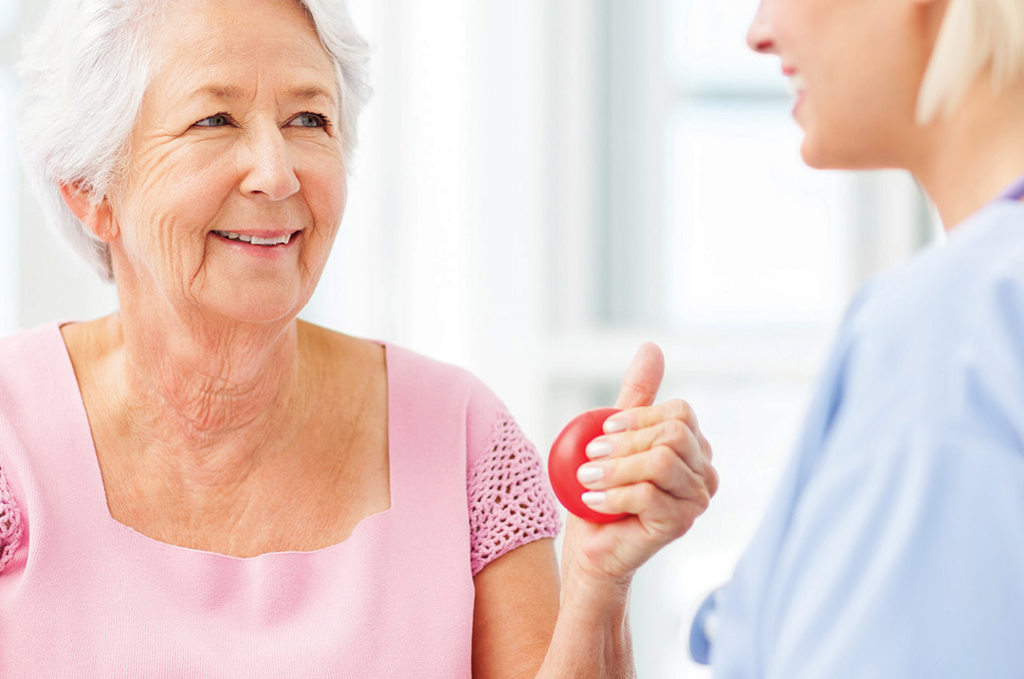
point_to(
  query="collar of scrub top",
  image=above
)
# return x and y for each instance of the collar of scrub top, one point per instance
(705, 621)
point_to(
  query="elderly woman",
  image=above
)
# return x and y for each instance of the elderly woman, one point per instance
(894, 547)
(199, 485)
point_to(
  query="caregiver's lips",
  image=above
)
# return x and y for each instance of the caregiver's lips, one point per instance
(794, 79)
(795, 83)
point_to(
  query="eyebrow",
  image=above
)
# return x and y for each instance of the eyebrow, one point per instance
(311, 92)
(231, 92)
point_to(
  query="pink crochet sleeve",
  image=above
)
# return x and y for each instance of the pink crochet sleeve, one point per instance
(10, 523)
(510, 502)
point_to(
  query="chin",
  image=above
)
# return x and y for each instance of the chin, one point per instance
(261, 316)
(867, 143)
(252, 309)
(824, 156)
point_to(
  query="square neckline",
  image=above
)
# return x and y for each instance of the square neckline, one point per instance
(83, 430)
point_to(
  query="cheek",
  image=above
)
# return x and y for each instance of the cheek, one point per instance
(193, 179)
(327, 194)
(863, 108)
(150, 242)
(168, 207)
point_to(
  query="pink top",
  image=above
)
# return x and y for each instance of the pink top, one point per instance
(82, 595)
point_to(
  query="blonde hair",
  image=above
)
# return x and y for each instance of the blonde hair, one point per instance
(976, 36)
(85, 71)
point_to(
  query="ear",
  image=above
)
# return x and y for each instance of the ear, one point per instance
(97, 218)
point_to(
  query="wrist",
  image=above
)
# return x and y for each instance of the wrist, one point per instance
(594, 595)
(592, 637)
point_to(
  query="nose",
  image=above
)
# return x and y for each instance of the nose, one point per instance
(759, 35)
(270, 171)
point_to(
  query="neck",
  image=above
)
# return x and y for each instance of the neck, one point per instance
(974, 153)
(203, 386)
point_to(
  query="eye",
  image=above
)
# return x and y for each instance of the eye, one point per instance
(310, 120)
(218, 120)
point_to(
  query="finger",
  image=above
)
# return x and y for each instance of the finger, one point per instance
(661, 466)
(643, 377)
(640, 417)
(671, 433)
(711, 480)
(654, 507)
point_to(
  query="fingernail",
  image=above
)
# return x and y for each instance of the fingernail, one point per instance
(613, 425)
(594, 498)
(589, 473)
(599, 449)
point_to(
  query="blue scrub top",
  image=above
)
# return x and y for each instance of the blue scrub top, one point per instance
(895, 544)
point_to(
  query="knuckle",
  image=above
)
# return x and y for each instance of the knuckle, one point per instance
(663, 462)
(647, 493)
(682, 410)
(674, 430)
(713, 480)
(675, 404)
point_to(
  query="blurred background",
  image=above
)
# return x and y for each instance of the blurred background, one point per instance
(540, 186)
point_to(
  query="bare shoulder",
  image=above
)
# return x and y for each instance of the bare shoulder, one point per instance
(347, 374)
(91, 345)
(330, 348)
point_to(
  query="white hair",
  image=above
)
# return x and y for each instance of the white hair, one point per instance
(85, 72)
(976, 36)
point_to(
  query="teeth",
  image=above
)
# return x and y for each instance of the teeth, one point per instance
(255, 240)
(279, 240)
(796, 84)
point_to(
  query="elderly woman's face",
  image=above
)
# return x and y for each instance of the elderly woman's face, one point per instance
(236, 181)
(856, 66)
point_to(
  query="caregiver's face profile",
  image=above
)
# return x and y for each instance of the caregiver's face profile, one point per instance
(855, 67)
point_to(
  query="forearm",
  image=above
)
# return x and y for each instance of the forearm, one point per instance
(655, 466)
(591, 638)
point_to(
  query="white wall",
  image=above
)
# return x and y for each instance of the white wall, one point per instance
(51, 283)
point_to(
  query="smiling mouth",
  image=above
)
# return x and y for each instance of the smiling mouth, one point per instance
(257, 240)
(796, 84)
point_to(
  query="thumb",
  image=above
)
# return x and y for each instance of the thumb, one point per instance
(643, 377)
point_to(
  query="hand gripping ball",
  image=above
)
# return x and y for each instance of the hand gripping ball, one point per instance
(568, 452)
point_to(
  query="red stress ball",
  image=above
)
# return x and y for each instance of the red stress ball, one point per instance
(568, 452)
